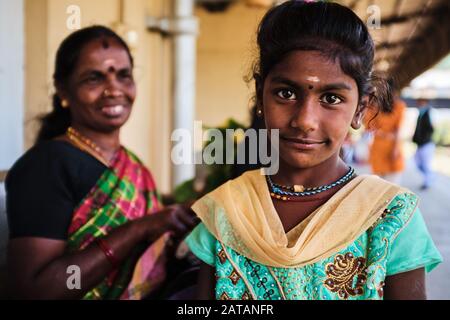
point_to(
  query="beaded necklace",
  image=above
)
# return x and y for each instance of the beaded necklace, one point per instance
(285, 193)
(86, 145)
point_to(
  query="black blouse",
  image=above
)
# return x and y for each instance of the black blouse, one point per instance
(44, 187)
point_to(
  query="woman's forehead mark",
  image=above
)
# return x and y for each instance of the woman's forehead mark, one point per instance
(110, 65)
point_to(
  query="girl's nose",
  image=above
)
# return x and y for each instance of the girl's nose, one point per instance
(306, 116)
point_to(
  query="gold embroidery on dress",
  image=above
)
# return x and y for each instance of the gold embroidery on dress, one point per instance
(234, 277)
(247, 284)
(224, 296)
(341, 275)
(380, 289)
(246, 296)
(222, 256)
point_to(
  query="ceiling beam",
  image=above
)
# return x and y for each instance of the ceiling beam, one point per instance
(401, 43)
(417, 57)
(395, 19)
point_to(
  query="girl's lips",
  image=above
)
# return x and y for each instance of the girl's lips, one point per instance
(113, 111)
(303, 144)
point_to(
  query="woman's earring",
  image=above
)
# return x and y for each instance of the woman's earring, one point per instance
(65, 103)
(259, 113)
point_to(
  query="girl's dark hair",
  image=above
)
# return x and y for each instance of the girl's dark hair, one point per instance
(58, 120)
(334, 30)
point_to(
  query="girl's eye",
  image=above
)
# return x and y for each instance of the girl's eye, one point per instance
(331, 99)
(286, 94)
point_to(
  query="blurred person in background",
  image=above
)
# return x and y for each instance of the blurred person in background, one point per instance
(423, 139)
(385, 156)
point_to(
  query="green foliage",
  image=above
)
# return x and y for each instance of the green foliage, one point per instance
(442, 134)
(217, 174)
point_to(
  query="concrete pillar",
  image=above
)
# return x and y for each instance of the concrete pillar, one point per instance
(11, 81)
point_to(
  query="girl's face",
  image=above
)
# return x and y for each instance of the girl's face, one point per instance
(101, 89)
(312, 103)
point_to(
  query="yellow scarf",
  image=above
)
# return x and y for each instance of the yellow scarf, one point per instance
(241, 215)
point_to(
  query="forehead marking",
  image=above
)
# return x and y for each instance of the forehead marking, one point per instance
(313, 79)
(109, 62)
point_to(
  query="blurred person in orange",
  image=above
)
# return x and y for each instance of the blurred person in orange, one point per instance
(386, 157)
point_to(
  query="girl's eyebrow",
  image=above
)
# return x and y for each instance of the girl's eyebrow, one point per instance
(326, 87)
(286, 81)
(336, 86)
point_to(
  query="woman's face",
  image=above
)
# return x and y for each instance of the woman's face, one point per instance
(101, 89)
(312, 103)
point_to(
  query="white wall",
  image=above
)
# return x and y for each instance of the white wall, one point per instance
(226, 52)
(11, 81)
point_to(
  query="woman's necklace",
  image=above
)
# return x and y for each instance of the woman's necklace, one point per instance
(86, 145)
(286, 193)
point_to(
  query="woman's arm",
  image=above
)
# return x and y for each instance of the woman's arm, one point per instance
(406, 286)
(37, 267)
(206, 283)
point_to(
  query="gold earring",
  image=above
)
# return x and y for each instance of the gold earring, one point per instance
(65, 103)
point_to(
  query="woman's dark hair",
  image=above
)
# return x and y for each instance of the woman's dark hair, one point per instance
(58, 120)
(334, 30)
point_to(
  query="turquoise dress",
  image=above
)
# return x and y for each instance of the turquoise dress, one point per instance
(398, 242)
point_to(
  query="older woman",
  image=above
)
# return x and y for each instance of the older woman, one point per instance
(78, 202)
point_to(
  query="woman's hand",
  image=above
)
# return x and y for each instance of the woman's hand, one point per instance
(38, 266)
(179, 220)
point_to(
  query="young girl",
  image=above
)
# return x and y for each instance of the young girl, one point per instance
(314, 230)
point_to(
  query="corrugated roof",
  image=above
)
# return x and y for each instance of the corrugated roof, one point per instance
(413, 35)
